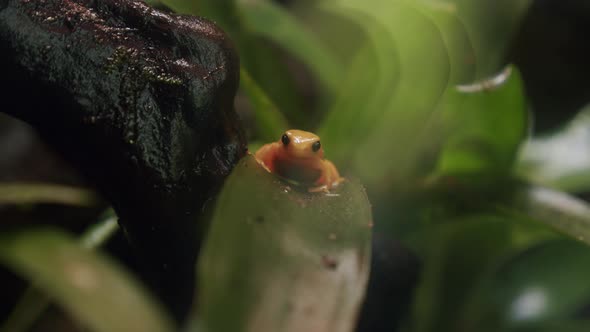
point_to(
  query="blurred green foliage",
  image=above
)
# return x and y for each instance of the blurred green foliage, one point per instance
(91, 287)
(488, 122)
(416, 102)
(560, 160)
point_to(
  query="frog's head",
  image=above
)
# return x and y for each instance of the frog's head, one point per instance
(302, 144)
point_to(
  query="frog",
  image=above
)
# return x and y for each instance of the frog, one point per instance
(298, 157)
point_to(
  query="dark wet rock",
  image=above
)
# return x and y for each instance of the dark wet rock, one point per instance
(141, 102)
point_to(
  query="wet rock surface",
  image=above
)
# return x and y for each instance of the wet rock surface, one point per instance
(141, 102)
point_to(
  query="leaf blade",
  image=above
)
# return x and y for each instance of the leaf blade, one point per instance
(272, 21)
(488, 121)
(32, 193)
(277, 259)
(94, 290)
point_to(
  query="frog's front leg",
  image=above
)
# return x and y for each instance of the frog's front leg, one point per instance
(333, 177)
(330, 178)
(318, 189)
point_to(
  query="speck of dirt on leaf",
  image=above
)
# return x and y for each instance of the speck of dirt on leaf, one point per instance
(81, 275)
(302, 203)
(329, 262)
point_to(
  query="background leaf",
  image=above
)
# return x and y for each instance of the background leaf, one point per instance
(488, 122)
(459, 256)
(562, 212)
(34, 302)
(490, 26)
(560, 160)
(272, 21)
(29, 193)
(402, 80)
(456, 38)
(270, 122)
(523, 294)
(94, 290)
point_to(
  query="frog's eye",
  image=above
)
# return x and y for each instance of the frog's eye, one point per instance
(316, 146)
(285, 139)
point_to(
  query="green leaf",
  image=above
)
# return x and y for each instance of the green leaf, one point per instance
(488, 122)
(34, 302)
(278, 258)
(457, 41)
(560, 160)
(562, 212)
(490, 25)
(458, 256)
(275, 23)
(546, 285)
(26, 311)
(381, 122)
(93, 289)
(270, 122)
(35, 193)
(361, 100)
(564, 325)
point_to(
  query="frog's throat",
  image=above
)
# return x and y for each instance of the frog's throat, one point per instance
(302, 171)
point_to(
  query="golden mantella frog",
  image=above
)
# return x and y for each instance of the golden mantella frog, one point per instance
(299, 157)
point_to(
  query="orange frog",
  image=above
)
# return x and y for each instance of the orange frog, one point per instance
(299, 157)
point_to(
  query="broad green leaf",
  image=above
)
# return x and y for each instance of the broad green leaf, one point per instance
(458, 256)
(278, 258)
(562, 212)
(546, 208)
(563, 325)
(34, 302)
(270, 20)
(566, 325)
(488, 122)
(93, 289)
(382, 120)
(270, 122)
(35, 193)
(454, 34)
(546, 285)
(490, 25)
(560, 160)
(362, 99)
(342, 36)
